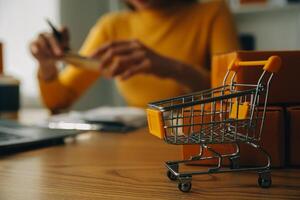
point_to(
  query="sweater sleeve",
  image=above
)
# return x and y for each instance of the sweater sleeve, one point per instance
(72, 81)
(224, 37)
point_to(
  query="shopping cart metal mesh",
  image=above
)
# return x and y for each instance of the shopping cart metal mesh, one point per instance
(231, 113)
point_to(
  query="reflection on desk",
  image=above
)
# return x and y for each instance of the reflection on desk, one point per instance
(118, 166)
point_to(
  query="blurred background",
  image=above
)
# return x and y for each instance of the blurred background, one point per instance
(262, 25)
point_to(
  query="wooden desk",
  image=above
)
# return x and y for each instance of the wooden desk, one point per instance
(124, 166)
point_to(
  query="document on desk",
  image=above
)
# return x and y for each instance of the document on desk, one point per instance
(111, 119)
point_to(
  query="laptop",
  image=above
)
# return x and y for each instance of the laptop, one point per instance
(15, 137)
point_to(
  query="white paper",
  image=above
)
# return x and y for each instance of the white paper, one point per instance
(129, 116)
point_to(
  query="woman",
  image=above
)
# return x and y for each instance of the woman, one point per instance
(158, 49)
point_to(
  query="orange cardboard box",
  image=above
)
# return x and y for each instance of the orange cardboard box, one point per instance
(273, 141)
(294, 135)
(283, 86)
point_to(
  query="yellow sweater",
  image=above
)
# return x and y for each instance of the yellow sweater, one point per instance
(190, 34)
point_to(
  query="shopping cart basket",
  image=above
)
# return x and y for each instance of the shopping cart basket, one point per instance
(233, 113)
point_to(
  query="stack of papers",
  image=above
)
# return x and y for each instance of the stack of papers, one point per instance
(117, 119)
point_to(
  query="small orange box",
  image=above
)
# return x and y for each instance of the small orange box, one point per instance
(283, 87)
(273, 141)
(294, 135)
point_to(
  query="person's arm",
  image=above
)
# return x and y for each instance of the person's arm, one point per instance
(60, 90)
(224, 37)
(127, 58)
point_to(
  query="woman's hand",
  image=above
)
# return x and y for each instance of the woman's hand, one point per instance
(47, 50)
(128, 58)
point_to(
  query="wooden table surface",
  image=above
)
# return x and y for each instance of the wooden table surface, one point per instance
(124, 166)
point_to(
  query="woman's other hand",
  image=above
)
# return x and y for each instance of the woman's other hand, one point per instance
(47, 50)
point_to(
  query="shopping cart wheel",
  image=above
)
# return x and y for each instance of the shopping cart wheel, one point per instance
(234, 162)
(171, 176)
(264, 179)
(185, 186)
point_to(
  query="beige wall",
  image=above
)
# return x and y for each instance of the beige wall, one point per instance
(277, 29)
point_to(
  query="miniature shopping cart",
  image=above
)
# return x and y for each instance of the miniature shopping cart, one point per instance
(233, 113)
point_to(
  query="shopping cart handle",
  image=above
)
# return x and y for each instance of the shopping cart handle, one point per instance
(271, 65)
